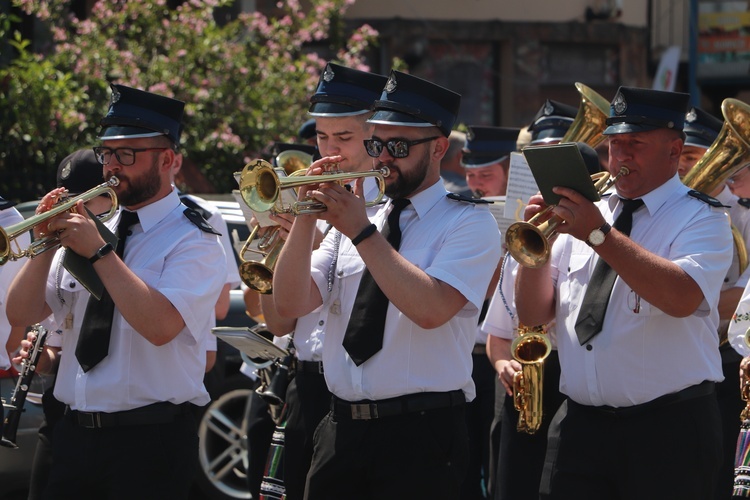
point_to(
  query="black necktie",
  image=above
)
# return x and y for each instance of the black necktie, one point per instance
(364, 334)
(93, 341)
(594, 304)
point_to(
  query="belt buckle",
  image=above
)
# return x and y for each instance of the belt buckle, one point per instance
(364, 411)
(320, 367)
(89, 420)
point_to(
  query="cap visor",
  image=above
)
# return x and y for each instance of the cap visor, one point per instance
(396, 118)
(334, 109)
(123, 132)
(627, 128)
(481, 162)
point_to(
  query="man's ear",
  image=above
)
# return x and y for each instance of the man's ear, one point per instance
(441, 147)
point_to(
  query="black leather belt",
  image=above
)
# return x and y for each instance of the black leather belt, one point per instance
(696, 391)
(157, 413)
(479, 349)
(310, 366)
(422, 401)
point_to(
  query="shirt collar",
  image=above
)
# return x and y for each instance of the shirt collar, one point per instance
(656, 197)
(425, 200)
(153, 213)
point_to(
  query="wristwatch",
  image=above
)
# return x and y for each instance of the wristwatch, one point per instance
(597, 236)
(104, 250)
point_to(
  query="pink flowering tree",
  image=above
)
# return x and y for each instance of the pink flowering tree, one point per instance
(245, 81)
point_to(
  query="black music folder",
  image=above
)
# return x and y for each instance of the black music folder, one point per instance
(559, 165)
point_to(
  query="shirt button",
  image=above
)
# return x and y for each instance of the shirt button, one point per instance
(72, 284)
(321, 322)
(589, 347)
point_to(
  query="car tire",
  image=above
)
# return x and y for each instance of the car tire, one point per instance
(222, 448)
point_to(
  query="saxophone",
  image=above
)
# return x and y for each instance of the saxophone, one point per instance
(18, 397)
(530, 348)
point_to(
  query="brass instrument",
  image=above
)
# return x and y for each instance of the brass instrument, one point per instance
(258, 274)
(530, 348)
(18, 397)
(591, 119)
(293, 160)
(528, 241)
(727, 155)
(260, 186)
(49, 242)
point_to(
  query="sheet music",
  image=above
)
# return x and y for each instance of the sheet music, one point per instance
(521, 186)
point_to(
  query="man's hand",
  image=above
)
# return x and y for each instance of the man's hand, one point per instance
(77, 231)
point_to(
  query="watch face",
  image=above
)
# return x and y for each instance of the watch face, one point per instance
(596, 237)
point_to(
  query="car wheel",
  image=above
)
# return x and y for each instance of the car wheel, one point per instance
(222, 449)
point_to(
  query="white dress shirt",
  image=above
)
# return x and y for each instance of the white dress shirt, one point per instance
(453, 241)
(641, 352)
(188, 267)
(8, 271)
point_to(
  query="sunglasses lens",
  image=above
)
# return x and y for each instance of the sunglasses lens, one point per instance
(374, 147)
(398, 149)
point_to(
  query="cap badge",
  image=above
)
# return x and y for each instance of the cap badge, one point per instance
(65, 172)
(470, 135)
(115, 96)
(548, 108)
(328, 74)
(390, 85)
(619, 104)
(691, 116)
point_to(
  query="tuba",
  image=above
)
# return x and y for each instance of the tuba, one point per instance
(528, 241)
(530, 348)
(726, 156)
(49, 242)
(590, 120)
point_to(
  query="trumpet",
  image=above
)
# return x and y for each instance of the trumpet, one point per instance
(528, 242)
(260, 187)
(49, 242)
(530, 349)
(258, 274)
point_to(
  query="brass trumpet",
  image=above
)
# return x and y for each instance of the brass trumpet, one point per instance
(528, 242)
(260, 186)
(258, 274)
(530, 348)
(48, 242)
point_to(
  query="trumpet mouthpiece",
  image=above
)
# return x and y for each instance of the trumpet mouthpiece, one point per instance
(113, 181)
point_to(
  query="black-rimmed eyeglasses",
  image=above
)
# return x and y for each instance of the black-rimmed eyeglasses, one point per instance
(125, 156)
(397, 148)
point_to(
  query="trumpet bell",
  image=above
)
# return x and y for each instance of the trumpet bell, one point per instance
(257, 276)
(259, 185)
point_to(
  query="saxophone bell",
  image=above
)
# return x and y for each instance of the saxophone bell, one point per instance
(530, 348)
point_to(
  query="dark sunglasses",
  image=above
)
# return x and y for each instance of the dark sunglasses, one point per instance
(397, 148)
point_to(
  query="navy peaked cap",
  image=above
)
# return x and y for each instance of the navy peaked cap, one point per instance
(345, 91)
(551, 122)
(80, 171)
(487, 145)
(640, 110)
(410, 101)
(701, 128)
(136, 113)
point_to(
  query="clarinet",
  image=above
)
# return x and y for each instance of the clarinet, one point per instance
(18, 397)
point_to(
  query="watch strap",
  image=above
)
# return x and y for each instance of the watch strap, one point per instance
(104, 250)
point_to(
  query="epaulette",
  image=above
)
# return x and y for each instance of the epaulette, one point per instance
(706, 199)
(5, 203)
(190, 203)
(197, 219)
(460, 197)
(745, 202)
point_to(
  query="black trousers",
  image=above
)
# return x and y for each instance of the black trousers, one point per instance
(479, 415)
(124, 462)
(521, 455)
(670, 451)
(308, 401)
(413, 455)
(260, 427)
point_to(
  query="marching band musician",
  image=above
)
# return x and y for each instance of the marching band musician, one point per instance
(521, 455)
(132, 388)
(340, 106)
(640, 377)
(485, 159)
(396, 428)
(701, 130)
(10, 336)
